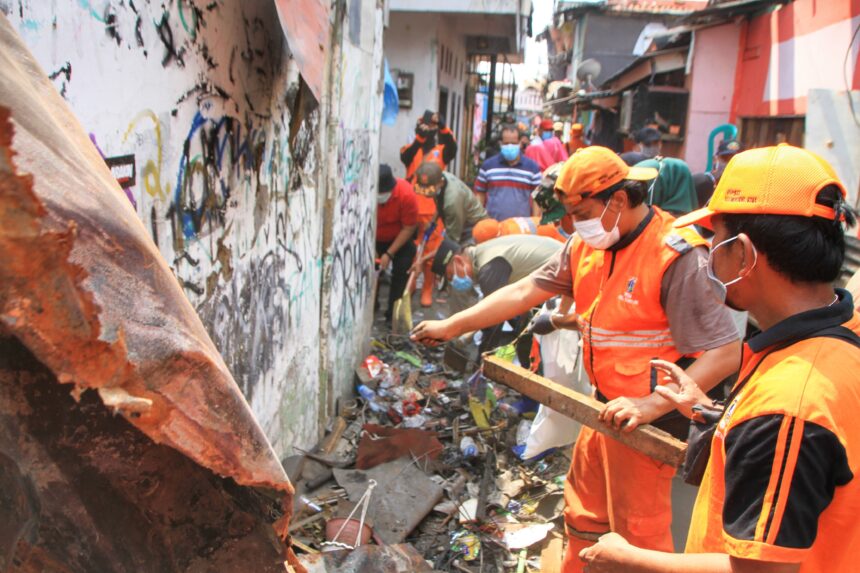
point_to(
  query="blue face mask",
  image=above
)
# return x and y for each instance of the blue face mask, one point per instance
(461, 283)
(546, 135)
(510, 151)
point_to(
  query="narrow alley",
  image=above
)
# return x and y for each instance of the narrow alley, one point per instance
(408, 285)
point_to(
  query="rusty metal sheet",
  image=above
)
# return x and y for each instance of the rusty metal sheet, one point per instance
(306, 26)
(83, 490)
(85, 290)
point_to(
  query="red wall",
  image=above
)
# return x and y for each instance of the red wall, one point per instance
(801, 45)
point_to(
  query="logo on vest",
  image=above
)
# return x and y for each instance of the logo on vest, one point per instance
(627, 295)
(727, 418)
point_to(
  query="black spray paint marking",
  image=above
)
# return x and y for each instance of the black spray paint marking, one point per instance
(138, 35)
(165, 34)
(111, 25)
(186, 257)
(232, 61)
(193, 287)
(152, 217)
(66, 70)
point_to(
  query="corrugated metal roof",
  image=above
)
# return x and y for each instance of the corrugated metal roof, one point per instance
(730, 9)
(662, 7)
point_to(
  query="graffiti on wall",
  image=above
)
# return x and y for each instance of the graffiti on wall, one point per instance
(353, 248)
(197, 134)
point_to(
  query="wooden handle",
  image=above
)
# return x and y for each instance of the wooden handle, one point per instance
(651, 441)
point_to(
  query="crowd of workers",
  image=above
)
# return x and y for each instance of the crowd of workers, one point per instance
(620, 238)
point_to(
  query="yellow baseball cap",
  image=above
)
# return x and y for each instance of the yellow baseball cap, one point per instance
(779, 180)
(594, 169)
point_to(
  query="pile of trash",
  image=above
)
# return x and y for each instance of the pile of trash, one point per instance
(424, 471)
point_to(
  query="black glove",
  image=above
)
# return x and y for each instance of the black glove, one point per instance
(542, 324)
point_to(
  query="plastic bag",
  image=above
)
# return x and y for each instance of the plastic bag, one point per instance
(550, 429)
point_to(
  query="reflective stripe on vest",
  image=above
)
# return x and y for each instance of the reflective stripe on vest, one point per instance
(626, 326)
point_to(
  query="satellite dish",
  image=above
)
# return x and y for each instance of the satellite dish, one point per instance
(587, 70)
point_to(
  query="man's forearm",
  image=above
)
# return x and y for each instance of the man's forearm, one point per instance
(505, 303)
(402, 237)
(648, 561)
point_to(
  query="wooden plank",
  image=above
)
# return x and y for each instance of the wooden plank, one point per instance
(647, 439)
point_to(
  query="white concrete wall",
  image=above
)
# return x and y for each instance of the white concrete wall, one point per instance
(411, 45)
(354, 122)
(200, 95)
(414, 43)
(453, 78)
(715, 56)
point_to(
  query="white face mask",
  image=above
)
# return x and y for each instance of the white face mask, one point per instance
(383, 198)
(593, 233)
(719, 287)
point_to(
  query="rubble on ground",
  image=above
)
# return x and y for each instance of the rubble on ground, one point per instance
(422, 463)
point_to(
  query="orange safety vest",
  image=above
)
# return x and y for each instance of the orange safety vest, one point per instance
(618, 296)
(426, 215)
(812, 382)
(435, 154)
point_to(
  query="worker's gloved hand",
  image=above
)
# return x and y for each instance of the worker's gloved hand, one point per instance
(542, 324)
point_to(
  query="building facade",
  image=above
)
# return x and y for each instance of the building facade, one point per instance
(433, 48)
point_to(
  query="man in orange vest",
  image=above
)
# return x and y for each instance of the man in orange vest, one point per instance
(434, 141)
(781, 491)
(576, 139)
(641, 291)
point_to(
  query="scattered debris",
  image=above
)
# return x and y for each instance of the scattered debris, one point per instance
(443, 448)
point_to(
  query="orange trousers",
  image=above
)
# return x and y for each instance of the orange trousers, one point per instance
(611, 487)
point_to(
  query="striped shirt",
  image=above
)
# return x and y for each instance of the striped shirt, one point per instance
(508, 187)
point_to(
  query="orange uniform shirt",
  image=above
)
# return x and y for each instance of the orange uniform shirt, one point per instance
(781, 483)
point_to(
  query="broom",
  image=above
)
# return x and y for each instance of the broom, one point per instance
(401, 315)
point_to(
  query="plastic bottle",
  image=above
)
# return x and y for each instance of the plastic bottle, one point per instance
(468, 447)
(371, 398)
(304, 501)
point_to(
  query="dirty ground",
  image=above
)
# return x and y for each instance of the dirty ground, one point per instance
(440, 446)
(420, 472)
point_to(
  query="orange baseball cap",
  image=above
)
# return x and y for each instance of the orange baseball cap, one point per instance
(779, 180)
(485, 229)
(594, 169)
